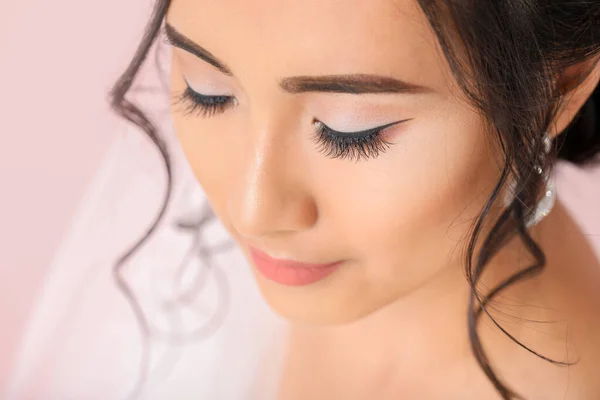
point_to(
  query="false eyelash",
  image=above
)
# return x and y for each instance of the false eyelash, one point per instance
(344, 145)
(197, 104)
(353, 146)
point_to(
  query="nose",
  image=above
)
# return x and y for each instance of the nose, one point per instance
(271, 196)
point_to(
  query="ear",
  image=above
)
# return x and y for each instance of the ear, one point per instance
(576, 83)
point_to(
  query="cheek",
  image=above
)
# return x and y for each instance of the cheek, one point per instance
(414, 205)
(210, 156)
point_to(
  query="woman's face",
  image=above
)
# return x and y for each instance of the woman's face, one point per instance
(287, 150)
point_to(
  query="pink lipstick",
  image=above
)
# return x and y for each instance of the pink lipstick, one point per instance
(291, 273)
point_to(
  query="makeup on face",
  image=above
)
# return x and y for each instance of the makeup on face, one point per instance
(362, 132)
(291, 273)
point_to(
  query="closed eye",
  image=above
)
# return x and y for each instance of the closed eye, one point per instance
(197, 104)
(352, 145)
(356, 145)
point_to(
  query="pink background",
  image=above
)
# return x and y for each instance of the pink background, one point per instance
(58, 60)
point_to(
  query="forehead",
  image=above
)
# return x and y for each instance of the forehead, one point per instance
(315, 37)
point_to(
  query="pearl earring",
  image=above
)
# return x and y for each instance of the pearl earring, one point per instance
(544, 206)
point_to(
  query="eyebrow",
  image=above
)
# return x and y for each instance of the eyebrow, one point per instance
(179, 40)
(352, 84)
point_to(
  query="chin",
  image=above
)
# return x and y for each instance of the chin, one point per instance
(316, 316)
(316, 305)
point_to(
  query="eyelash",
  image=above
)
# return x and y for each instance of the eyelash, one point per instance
(196, 104)
(354, 146)
(334, 144)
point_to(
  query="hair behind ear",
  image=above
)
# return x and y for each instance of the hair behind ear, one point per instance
(579, 142)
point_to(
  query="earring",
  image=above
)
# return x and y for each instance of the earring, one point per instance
(544, 206)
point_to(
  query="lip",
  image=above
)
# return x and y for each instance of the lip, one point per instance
(291, 273)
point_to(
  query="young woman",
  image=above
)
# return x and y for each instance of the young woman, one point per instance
(387, 168)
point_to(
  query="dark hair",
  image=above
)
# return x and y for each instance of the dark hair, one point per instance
(506, 57)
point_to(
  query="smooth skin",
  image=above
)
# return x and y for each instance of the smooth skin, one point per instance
(391, 323)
